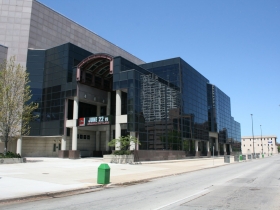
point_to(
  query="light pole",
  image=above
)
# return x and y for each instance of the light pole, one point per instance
(253, 137)
(261, 138)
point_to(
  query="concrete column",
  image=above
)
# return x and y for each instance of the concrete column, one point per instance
(117, 135)
(74, 138)
(118, 102)
(216, 145)
(75, 129)
(63, 142)
(208, 149)
(132, 144)
(118, 113)
(197, 153)
(63, 153)
(137, 145)
(19, 145)
(76, 108)
(196, 145)
(230, 148)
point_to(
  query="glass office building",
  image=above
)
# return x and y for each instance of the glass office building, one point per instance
(167, 105)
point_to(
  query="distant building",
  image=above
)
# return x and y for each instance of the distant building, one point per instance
(261, 145)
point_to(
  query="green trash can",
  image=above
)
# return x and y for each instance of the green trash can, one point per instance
(103, 174)
(240, 157)
(262, 155)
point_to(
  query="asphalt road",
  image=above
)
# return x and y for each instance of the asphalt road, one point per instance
(247, 185)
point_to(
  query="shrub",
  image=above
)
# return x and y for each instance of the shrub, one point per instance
(122, 152)
(10, 155)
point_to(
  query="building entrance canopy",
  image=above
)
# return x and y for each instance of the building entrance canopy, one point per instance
(96, 71)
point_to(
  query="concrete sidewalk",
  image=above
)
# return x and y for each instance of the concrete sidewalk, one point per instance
(42, 176)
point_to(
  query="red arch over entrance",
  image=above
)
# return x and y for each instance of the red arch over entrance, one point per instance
(100, 63)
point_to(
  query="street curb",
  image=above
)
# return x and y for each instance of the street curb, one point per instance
(175, 161)
(55, 194)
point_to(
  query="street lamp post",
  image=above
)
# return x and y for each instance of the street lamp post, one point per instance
(253, 137)
(268, 148)
(261, 138)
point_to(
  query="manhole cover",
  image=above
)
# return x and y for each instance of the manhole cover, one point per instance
(123, 169)
(254, 189)
(45, 173)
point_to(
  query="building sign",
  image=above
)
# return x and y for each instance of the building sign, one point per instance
(82, 121)
(89, 121)
(270, 142)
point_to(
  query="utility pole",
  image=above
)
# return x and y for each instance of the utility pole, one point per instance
(261, 138)
(253, 137)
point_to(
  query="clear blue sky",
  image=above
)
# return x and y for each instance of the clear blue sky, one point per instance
(235, 44)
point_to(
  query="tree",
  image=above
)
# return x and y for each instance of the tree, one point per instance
(124, 143)
(15, 106)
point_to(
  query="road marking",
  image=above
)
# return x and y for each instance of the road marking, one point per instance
(181, 199)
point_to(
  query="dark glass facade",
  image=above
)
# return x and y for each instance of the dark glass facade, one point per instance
(53, 79)
(220, 119)
(35, 67)
(194, 97)
(192, 119)
(235, 137)
(167, 102)
(152, 105)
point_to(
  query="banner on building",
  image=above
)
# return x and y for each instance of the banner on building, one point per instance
(90, 121)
